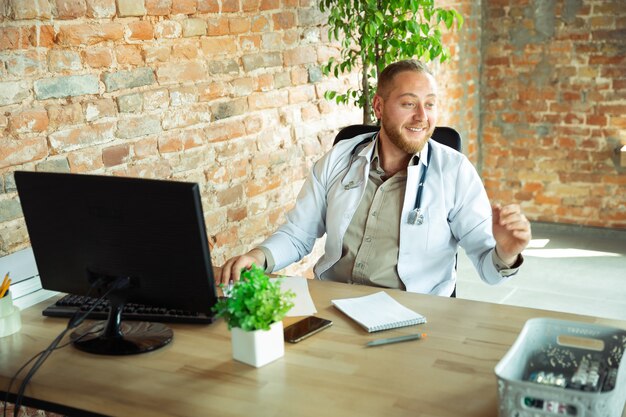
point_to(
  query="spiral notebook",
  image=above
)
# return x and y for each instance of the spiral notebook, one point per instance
(378, 312)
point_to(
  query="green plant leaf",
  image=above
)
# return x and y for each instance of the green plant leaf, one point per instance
(254, 302)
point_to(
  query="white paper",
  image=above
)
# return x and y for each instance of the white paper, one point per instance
(303, 304)
(378, 311)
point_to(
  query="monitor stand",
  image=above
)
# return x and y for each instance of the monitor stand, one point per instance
(114, 337)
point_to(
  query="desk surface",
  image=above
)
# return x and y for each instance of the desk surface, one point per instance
(451, 373)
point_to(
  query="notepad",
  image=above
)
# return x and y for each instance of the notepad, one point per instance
(378, 312)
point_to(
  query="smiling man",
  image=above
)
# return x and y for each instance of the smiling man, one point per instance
(387, 223)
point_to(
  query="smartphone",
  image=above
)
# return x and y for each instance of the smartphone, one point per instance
(305, 328)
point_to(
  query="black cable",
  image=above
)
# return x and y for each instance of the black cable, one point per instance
(73, 322)
(6, 399)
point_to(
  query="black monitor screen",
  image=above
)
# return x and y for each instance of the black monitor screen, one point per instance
(85, 227)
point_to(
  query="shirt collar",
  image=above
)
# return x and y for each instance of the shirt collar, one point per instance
(422, 155)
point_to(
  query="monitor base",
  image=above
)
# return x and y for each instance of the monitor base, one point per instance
(136, 337)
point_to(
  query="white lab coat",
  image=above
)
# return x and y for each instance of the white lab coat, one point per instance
(454, 202)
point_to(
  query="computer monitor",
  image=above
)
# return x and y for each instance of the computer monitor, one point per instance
(142, 240)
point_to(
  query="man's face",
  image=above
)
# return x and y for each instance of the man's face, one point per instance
(408, 114)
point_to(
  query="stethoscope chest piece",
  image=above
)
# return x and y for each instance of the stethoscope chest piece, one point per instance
(416, 217)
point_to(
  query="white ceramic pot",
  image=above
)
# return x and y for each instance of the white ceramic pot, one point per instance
(258, 347)
(10, 321)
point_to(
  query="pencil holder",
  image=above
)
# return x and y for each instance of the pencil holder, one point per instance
(10, 321)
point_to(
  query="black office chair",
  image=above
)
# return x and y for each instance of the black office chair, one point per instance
(444, 135)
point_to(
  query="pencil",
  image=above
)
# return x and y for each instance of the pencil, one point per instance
(5, 288)
(4, 282)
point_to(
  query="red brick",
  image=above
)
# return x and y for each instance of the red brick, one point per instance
(264, 82)
(250, 43)
(170, 143)
(208, 6)
(183, 6)
(29, 121)
(31, 9)
(237, 214)
(115, 155)
(238, 25)
(299, 56)
(141, 31)
(230, 6)
(227, 237)
(223, 131)
(42, 35)
(596, 119)
(260, 24)
(310, 112)
(230, 195)
(145, 169)
(284, 20)
(168, 29)
(129, 54)
(18, 152)
(70, 9)
(98, 57)
(269, 5)
(82, 137)
(89, 34)
(185, 49)
(273, 99)
(251, 5)
(212, 46)
(156, 53)
(211, 91)
(606, 60)
(301, 94)
(98, 109)
(176, 71)
(259, 186)
(612, 109)
(85, 160)
(291, 37)
(217, 27)
(158, 7)
(14, 38)
(145, 148)
(63, 116)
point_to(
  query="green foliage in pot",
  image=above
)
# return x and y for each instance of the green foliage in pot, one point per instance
(375, 33)
(254, 302)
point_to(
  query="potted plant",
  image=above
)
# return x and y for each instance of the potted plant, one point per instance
(253, 310)
(375, 33)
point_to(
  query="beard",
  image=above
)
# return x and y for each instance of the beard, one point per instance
(399, 138)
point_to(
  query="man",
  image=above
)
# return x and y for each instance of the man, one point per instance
(384, 228)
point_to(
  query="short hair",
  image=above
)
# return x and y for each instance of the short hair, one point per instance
(388, 74)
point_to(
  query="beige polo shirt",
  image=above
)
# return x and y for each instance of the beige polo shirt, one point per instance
(371, 243)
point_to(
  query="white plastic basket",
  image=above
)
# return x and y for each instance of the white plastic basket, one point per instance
(519, 397)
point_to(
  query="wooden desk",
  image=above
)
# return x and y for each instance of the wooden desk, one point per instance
(451, 373)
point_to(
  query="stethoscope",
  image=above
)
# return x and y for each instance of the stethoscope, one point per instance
(415, 217)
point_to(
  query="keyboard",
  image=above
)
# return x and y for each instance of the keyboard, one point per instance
(69, 304)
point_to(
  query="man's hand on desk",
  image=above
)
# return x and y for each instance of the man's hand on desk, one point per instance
(232, 267)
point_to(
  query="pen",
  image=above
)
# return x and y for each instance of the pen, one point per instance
(398, 339)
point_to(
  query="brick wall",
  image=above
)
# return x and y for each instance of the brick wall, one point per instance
(227, 93)
(553, 108)
(459, 78)
(223, 93)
